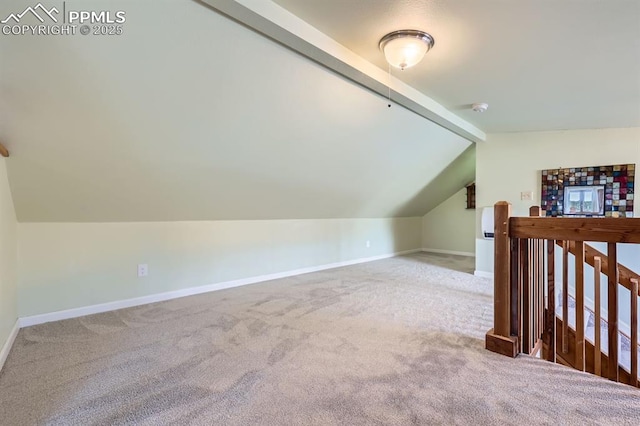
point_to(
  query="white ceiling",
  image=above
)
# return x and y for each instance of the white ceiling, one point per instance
(540, 64)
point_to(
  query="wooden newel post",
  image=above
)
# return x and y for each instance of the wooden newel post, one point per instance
(534, 211)
(501, 275)
(499, 338)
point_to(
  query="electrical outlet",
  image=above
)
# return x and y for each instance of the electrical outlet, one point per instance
(368, 243)
(143, 270)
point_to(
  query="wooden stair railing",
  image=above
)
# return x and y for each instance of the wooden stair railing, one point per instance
(625, 275)
(524, 290)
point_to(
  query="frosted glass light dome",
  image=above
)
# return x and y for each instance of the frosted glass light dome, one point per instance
(405, 48)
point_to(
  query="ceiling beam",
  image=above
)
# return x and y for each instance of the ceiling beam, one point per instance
(275, 22)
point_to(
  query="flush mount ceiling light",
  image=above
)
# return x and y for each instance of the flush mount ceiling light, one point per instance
(405, 48)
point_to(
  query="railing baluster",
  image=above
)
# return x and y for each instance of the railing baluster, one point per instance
(550, 317)
(537, 300)
(634, 332)
(536, 256)
(612, 256)
(579, 257)
(597, 270)
(540, 252)
(514, 294)
(565, 297)
(526, 299)
(537, 292)
(533, 282)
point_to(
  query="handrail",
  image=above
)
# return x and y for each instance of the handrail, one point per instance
(625, 275)
(606, 230)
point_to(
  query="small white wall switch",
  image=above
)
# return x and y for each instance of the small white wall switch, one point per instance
(526, 196)
(143, 270)
(368, 243)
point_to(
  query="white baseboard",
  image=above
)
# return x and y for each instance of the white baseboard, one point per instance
(160, 297)
(4, 353)
(483, 274)
(459, 253)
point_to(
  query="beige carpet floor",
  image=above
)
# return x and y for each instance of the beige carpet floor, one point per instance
(397, 341)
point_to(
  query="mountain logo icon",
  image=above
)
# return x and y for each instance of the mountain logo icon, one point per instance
(34, 11)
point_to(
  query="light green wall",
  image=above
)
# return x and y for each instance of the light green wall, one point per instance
(450, 226)
(510, 163)
(71, 265)
(8, 255)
